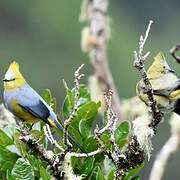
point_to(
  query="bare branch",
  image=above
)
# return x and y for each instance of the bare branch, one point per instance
(96, 36)
(173, 52)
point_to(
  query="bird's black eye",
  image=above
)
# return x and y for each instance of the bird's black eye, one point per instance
(164, 67)
(13, 79)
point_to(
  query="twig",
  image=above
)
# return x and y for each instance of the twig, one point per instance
(139, 59)
(115, 154)
(95, 11)
(68, 121)
(111, 121)
(80, 155)
(173, 52)
(50, 137)
(170, 147)
(100, 143)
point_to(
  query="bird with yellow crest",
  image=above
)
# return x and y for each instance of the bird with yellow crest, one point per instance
(23, 101)
(165, 85)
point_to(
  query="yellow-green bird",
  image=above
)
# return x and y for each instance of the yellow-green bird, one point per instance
(23, 101)
(165, 84)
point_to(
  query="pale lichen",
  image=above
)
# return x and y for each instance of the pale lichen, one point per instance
(96, 93)
(175, 123)
(133, 108)
(68, 170)
(6, 117)
(144, 133)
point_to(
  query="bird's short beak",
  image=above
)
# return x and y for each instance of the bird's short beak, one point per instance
(171, 70)
(4, 80)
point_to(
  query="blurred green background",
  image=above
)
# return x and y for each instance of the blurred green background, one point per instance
(44, 37)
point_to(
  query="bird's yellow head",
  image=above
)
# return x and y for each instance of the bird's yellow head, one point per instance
(159, 67)
(13, 78)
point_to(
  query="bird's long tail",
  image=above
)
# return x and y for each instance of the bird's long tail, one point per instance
(177, 107)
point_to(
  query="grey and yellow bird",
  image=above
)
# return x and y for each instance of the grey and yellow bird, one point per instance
(165, 84)
(24, 102)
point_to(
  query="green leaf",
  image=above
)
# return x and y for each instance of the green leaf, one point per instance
(44, 174)
(105, 137)
(135, 178)
(68, 103)
(121, 133)
(23, 170)
(10, 129)
(111, 174)
(21, 146)
(81, 125)
(82, 166)
(84, 128)
(74, 133)
(84, 95)
(88, 165)
(47, 96)
(7, 161)
(5, 140)
(87, 111)
(96, 174)
(12, 148)
(133, 172)
(90, 144)
(39, 135)
(35, 162)
(9, 176)
(53, 104)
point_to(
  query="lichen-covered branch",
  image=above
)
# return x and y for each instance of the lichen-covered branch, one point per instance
(115, 154)
(45, 155)
(94, 41)
(80, 155)
(67, 122)
(139, 60)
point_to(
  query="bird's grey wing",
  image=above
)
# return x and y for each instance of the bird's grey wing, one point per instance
(167, 92)
(39, 110)
(161, 92)
(30, 101)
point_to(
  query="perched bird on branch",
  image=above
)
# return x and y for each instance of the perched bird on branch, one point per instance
(165, 85)
(24, 102)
